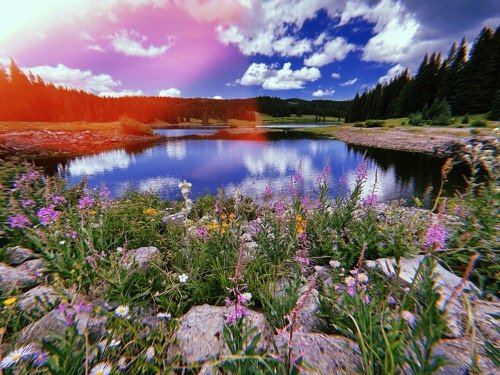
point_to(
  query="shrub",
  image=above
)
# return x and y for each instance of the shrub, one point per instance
(132, 127)
(359, 125)
(374, 123)
(466, 119)
(415, 119)
(479, 123)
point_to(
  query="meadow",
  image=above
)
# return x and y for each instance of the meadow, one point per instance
(268, 258)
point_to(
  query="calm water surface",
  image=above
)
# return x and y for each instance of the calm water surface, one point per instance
(251, 165)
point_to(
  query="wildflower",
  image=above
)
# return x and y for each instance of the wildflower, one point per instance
(362, 278)
(409, 318)
(366, 299)
(280, 208)
(62, 242)
(114, 343)
(10, 301)
(164, 315)
(392, 301)
(71, 234)
(122, 364)
(268, 193)
(300, 224)
(19, 221)
(436, 237)
(58, 199)
(102, 368)
(48, 215)
(122, 311)
(86, 202)
(350, 281)
(26, 203)
(370, 201)
(351, 291)
(16, 356)
(150, 353)
(361, 171)
(185, 188)
(183, 278)
(150, 212)
(202, 233)
(245, 297)
(238, 197)
(325, 175)
(104, 197)
(334, 264)
(40, 358)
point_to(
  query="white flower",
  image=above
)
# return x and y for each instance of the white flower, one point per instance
(122, 311)
(183, 278)
(150, 353)
(16, 356)
(247, 297)
(102, 368)
(122, 364)
(362, 277)
(164, 315)
(335, 264)
(114, 343)
(185, 188)
(62, 242)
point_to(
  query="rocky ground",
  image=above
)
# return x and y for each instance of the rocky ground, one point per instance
(429, 140)
(199, 339)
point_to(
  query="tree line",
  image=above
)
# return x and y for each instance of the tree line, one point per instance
(26, 97)
(460, 83)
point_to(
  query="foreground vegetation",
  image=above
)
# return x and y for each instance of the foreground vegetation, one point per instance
(85, 236)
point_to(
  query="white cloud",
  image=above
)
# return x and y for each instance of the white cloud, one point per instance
(335, 75)
(335, 49)
(320, 93)
(95, 47)
(171, 92)
(217, 97)
(350, 82)
(74, 78)
(271, 78)
(391, 73)
(119, 94)
(131, 44)
(215, 10)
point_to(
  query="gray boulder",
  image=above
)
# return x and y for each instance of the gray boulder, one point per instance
(41, 298)
(21, 277)
(173, 218)
(200, 335)
(323, 354)
(143, 258)
(17, 255)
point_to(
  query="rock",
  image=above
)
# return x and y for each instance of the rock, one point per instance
(487, 322)
(458, 352)
(249, 251)
(324, 276)
(246, 237)
(54, 323)
(200, 335)
(16, 278)
(142, 258)
(324, 354)
(17, 255)
(36, 267)
(41, 298)
(446, 282)
(308, 314)
(179, 216)
(252, 228)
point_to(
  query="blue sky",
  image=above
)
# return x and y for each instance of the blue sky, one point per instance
(309, 49)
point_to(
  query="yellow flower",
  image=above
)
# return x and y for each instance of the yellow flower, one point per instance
(300, 224)
(10, 301)
(92, 212)
(150, 211)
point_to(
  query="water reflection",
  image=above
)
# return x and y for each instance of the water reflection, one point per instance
(213, 163)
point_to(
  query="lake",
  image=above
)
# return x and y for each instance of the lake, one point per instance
(251, 165)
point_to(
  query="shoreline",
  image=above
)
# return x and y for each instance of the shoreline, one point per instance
(427, 140)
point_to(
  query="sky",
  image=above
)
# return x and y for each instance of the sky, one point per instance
(310, 49)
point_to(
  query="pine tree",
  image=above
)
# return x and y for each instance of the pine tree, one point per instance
(495, 107)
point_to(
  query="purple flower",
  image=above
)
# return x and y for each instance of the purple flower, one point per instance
(366, 299)
(26, 203)
(325, 175)
(297, 177)
(280, 208)
(303, 261)
(351, 291)
(392, 301)
(362, 171)
(58, 199)
(350, 281)
(71, 234)
(48, 215)
(268, 193)
(40, 358)
(435, 237)
(370, 201)
(104, 197)
(18, 221)
(86, 202)
(202, 233)
(409, 318)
